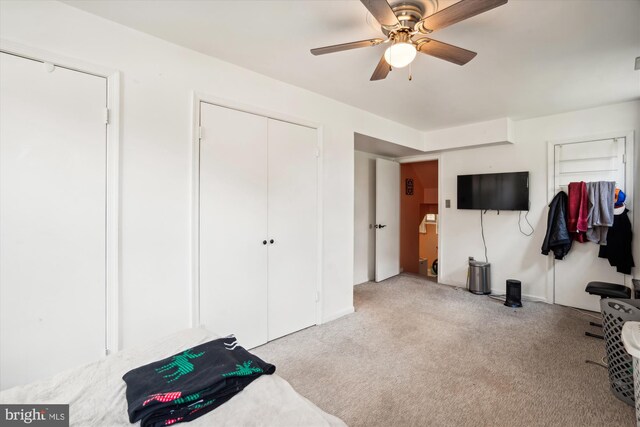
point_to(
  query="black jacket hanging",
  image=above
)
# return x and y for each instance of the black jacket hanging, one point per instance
(618, 248)
(557, 238)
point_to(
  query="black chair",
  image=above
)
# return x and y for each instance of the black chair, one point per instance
(606, 290)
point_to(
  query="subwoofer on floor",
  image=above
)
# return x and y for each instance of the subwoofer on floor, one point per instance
(514, 293)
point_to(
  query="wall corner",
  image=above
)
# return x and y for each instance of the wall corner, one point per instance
(511, 130)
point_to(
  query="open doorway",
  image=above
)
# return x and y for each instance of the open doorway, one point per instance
(376, 207)
(419, 218)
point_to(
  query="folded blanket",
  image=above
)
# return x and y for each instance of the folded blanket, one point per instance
(190, 384)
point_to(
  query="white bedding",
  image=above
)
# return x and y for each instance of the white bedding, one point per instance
(96, 392)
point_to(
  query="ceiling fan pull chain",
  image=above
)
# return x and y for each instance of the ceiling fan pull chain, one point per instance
(410, 73)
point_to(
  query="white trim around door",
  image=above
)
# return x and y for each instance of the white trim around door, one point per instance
(196, 100)
(112, 202)
(551, 191)
(442, 210)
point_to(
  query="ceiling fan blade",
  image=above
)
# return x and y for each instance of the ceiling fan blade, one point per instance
(381, 10)
(457, 12)
(346, 46)
(381, 71)
(445, 51)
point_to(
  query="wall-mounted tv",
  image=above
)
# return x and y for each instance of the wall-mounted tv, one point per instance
(495, 191)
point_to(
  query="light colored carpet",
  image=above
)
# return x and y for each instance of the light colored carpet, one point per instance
(417, 353)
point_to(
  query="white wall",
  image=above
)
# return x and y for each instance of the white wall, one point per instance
(512, 254)
(157, 80)
(365, 215)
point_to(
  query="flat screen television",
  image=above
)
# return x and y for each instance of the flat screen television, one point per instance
(494, 191)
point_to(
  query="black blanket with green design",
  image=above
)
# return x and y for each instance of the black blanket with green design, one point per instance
(187, 385)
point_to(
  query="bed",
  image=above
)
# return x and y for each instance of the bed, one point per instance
(96, 392)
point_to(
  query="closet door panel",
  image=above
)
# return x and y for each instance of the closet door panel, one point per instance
(233, 224)
(293, 227)
(52, 219)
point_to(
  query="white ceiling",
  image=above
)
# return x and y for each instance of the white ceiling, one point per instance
(535, 57)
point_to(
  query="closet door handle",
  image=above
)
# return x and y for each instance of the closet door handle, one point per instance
(271, 241)
(264, 242)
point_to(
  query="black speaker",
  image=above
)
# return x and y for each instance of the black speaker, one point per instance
(514, 293)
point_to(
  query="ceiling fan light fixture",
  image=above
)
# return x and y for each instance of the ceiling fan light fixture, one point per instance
(400, 54)
(403, 21)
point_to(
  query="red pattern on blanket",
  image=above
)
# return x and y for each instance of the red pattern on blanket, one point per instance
(163, 397)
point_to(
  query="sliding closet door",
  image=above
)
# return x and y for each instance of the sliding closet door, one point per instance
(52, 219)
(233, 224)
(293, 223)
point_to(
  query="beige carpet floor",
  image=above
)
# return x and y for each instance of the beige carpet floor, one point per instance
(416, 353)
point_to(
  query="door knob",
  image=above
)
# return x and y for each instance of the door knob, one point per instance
(264, 242)
(271, 241)
(380, 226)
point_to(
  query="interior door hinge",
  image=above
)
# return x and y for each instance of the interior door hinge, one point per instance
(106, 116)
(317, 152)
(624, 158)
(199, 132)
(317, 296)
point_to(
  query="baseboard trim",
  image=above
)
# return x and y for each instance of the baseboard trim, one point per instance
(535, 298)
(362, 283)
(337, 315)
(525, 297)
(502, 292)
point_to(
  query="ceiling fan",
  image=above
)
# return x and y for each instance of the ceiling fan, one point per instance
(404, 23)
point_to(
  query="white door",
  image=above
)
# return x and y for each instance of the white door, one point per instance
(233, 224)
(293, 223)
(591, 161)
(387, 219)
(52, 219)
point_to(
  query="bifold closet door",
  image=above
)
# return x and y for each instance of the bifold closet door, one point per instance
(52, 219)
(233, 224)
(293, 223)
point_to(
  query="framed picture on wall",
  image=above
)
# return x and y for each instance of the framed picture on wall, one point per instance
(408, 186)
